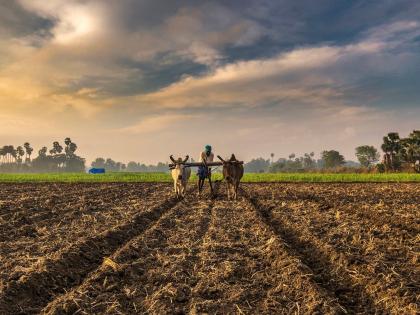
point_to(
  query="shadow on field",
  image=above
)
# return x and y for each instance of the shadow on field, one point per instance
(350, 295)
(56, 276)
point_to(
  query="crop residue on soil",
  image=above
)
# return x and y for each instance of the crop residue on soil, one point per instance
(127, 248)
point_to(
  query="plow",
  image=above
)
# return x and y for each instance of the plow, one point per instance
(232, 173)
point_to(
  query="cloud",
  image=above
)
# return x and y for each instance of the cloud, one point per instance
(92, 46)
(73, 20)
(90, 92)
(309, 75)
(193, 30)
(110, 45)
(112, 71)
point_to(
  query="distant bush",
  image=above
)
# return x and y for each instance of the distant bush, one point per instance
(380, 168)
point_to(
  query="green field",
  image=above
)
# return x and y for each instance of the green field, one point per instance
(249, 177)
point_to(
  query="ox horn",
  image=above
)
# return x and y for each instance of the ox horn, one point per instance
(172, 159)
(186, 158)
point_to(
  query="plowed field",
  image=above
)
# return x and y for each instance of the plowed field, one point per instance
(132, 248)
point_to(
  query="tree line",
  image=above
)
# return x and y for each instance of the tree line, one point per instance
(399, 154)
(60, 158)
(112, 166)
(307, 162)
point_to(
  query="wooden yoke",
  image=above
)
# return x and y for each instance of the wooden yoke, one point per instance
(196, 164)
(177, 162)
(209, 164)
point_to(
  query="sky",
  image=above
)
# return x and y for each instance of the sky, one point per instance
(142, 79)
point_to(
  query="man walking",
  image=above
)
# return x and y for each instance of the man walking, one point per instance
(204, 171)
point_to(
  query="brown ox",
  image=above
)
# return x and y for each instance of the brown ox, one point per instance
(180, 175)
(233, 170)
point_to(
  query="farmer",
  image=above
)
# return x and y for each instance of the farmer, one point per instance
(204, 171)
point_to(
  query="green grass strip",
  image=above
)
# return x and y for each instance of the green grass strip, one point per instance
(249, 177)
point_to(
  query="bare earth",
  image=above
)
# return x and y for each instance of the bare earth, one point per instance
(127, 248)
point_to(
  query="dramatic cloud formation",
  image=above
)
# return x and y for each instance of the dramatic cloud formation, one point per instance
(140, 79)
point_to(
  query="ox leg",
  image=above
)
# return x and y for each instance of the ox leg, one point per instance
(236, 190)
(175, 189)
(178, 190)
(228, 190)
(232, 193)
(184, 189)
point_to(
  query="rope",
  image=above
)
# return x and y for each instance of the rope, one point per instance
(216, 168)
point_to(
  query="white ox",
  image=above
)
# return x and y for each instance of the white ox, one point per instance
(180, 175)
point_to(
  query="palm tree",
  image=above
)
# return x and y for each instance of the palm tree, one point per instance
(26, 145)
(72, 148)
(43, 151)
(71, 159)
(29, 151)
(2, 154)
(56, 149)
(391, 148)
(58, 158)
(20, 153)
(272, 158)
(292, 156)
(13, 153)
(10, 153)
(411, 149)
(7, 151)
(67, 142)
